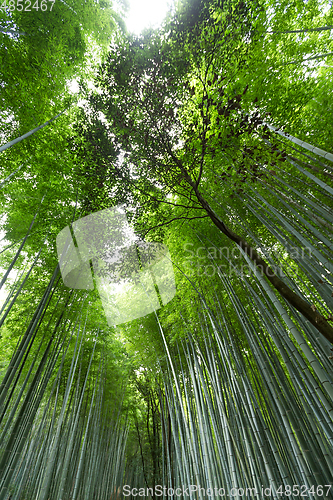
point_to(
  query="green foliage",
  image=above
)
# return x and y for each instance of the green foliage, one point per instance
(47, 50)
(225, 380)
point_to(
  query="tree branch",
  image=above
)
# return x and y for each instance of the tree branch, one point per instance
(172, 220)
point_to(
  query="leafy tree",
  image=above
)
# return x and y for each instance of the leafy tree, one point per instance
(42, 50)
(177, 115)
(220, 385)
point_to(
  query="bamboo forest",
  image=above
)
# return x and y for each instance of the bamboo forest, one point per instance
(166, 255)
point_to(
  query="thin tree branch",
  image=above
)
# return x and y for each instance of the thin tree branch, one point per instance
(172, 220)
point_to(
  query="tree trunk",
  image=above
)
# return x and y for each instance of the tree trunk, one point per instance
(304, 307)
(315, 318)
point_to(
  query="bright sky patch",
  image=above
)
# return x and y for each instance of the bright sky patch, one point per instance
(146, 14)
